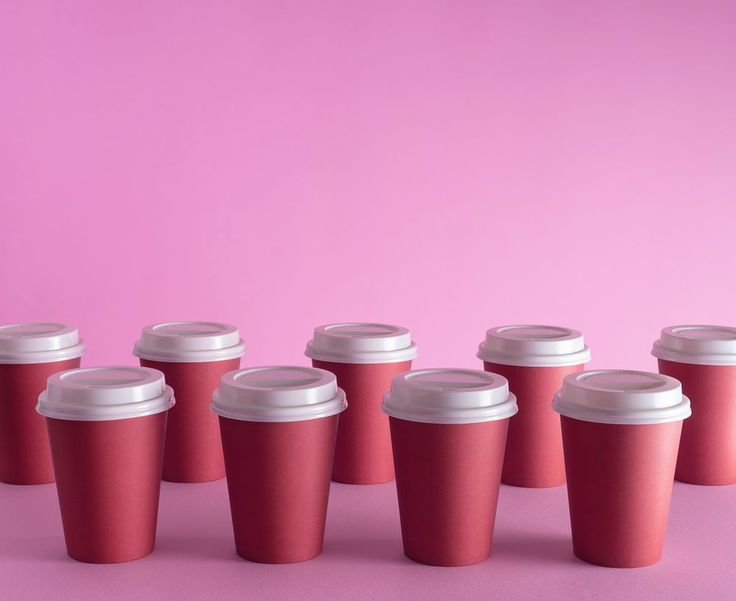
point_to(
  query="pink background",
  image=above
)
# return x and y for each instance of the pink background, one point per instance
(447, 166)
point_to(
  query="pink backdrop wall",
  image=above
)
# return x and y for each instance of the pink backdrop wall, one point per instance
(444, 165)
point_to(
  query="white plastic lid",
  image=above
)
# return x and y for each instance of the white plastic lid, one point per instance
(622, 397)
(701, 345)
(280, 393)
(39, 342)
(189, 342)
(534, 346)
(105, 393)
(361, 343)
(449, 396)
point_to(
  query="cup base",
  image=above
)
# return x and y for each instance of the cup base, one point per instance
(286, 559)
(613, 562)
(445, 562)
(109, 559)
(360, 482)
(26, 482)
(705, 481)
(527, 484)
(176, 480)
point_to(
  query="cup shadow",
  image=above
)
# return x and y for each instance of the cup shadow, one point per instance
(553, 549)
(375, 550)
(197, 548)
(46, 548)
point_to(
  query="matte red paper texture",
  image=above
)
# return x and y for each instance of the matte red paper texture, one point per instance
(534, 456)
(363, 450)
(447, 480)
(708, 445)
(25, 457)
(619, 481)
(193, 451)
(278, 479)
(108, 476)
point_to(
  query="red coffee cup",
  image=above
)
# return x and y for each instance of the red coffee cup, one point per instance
(621, 431)
(448, 428)
(278, 434)
(364, 357)
(193, 355)
(106, 427)
(29, 354)
(703, 358)
(535, 360)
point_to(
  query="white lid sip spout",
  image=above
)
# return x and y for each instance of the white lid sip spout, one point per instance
(280, 393)
(361, 342)
(189, 342)
(39, 342)
(622, 397)
(697, 344)
(449, 396)
(105, 393)
(534, 346)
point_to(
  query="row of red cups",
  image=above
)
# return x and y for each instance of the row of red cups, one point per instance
(448, 426)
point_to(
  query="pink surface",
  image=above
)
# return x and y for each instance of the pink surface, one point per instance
(447, 166)
(362, 558)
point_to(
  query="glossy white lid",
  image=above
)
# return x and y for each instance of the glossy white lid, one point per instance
(697, 344)
(612, 396)
(189, 342)
(280, 393)
(534, 346)
(39, 342)
(449, 396)
(361, 343)
(105, 393)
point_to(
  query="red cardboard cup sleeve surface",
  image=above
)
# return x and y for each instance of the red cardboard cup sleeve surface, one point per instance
(619, 489)
(278, 435)
(447, 481)
(193, 355)
(621, 431)
(29, 354)
(25, 457)
(364, 357)
(535, 360)
(534, 456)
(108, 481)
(106, 428)
(708, 445)
(703, 358)
(193, 451)
(448, 429)
(363, 447)
(278, 478)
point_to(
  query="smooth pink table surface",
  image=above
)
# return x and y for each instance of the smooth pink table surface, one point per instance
(362, 559)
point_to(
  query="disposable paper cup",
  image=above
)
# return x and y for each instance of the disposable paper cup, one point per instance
(364, 357)
(620, 430)
(363, 447)
(278, 429)
(29, 354)
(535, 360)
(703, 358)
(106, 426)
(448, 429)
(193, 356)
